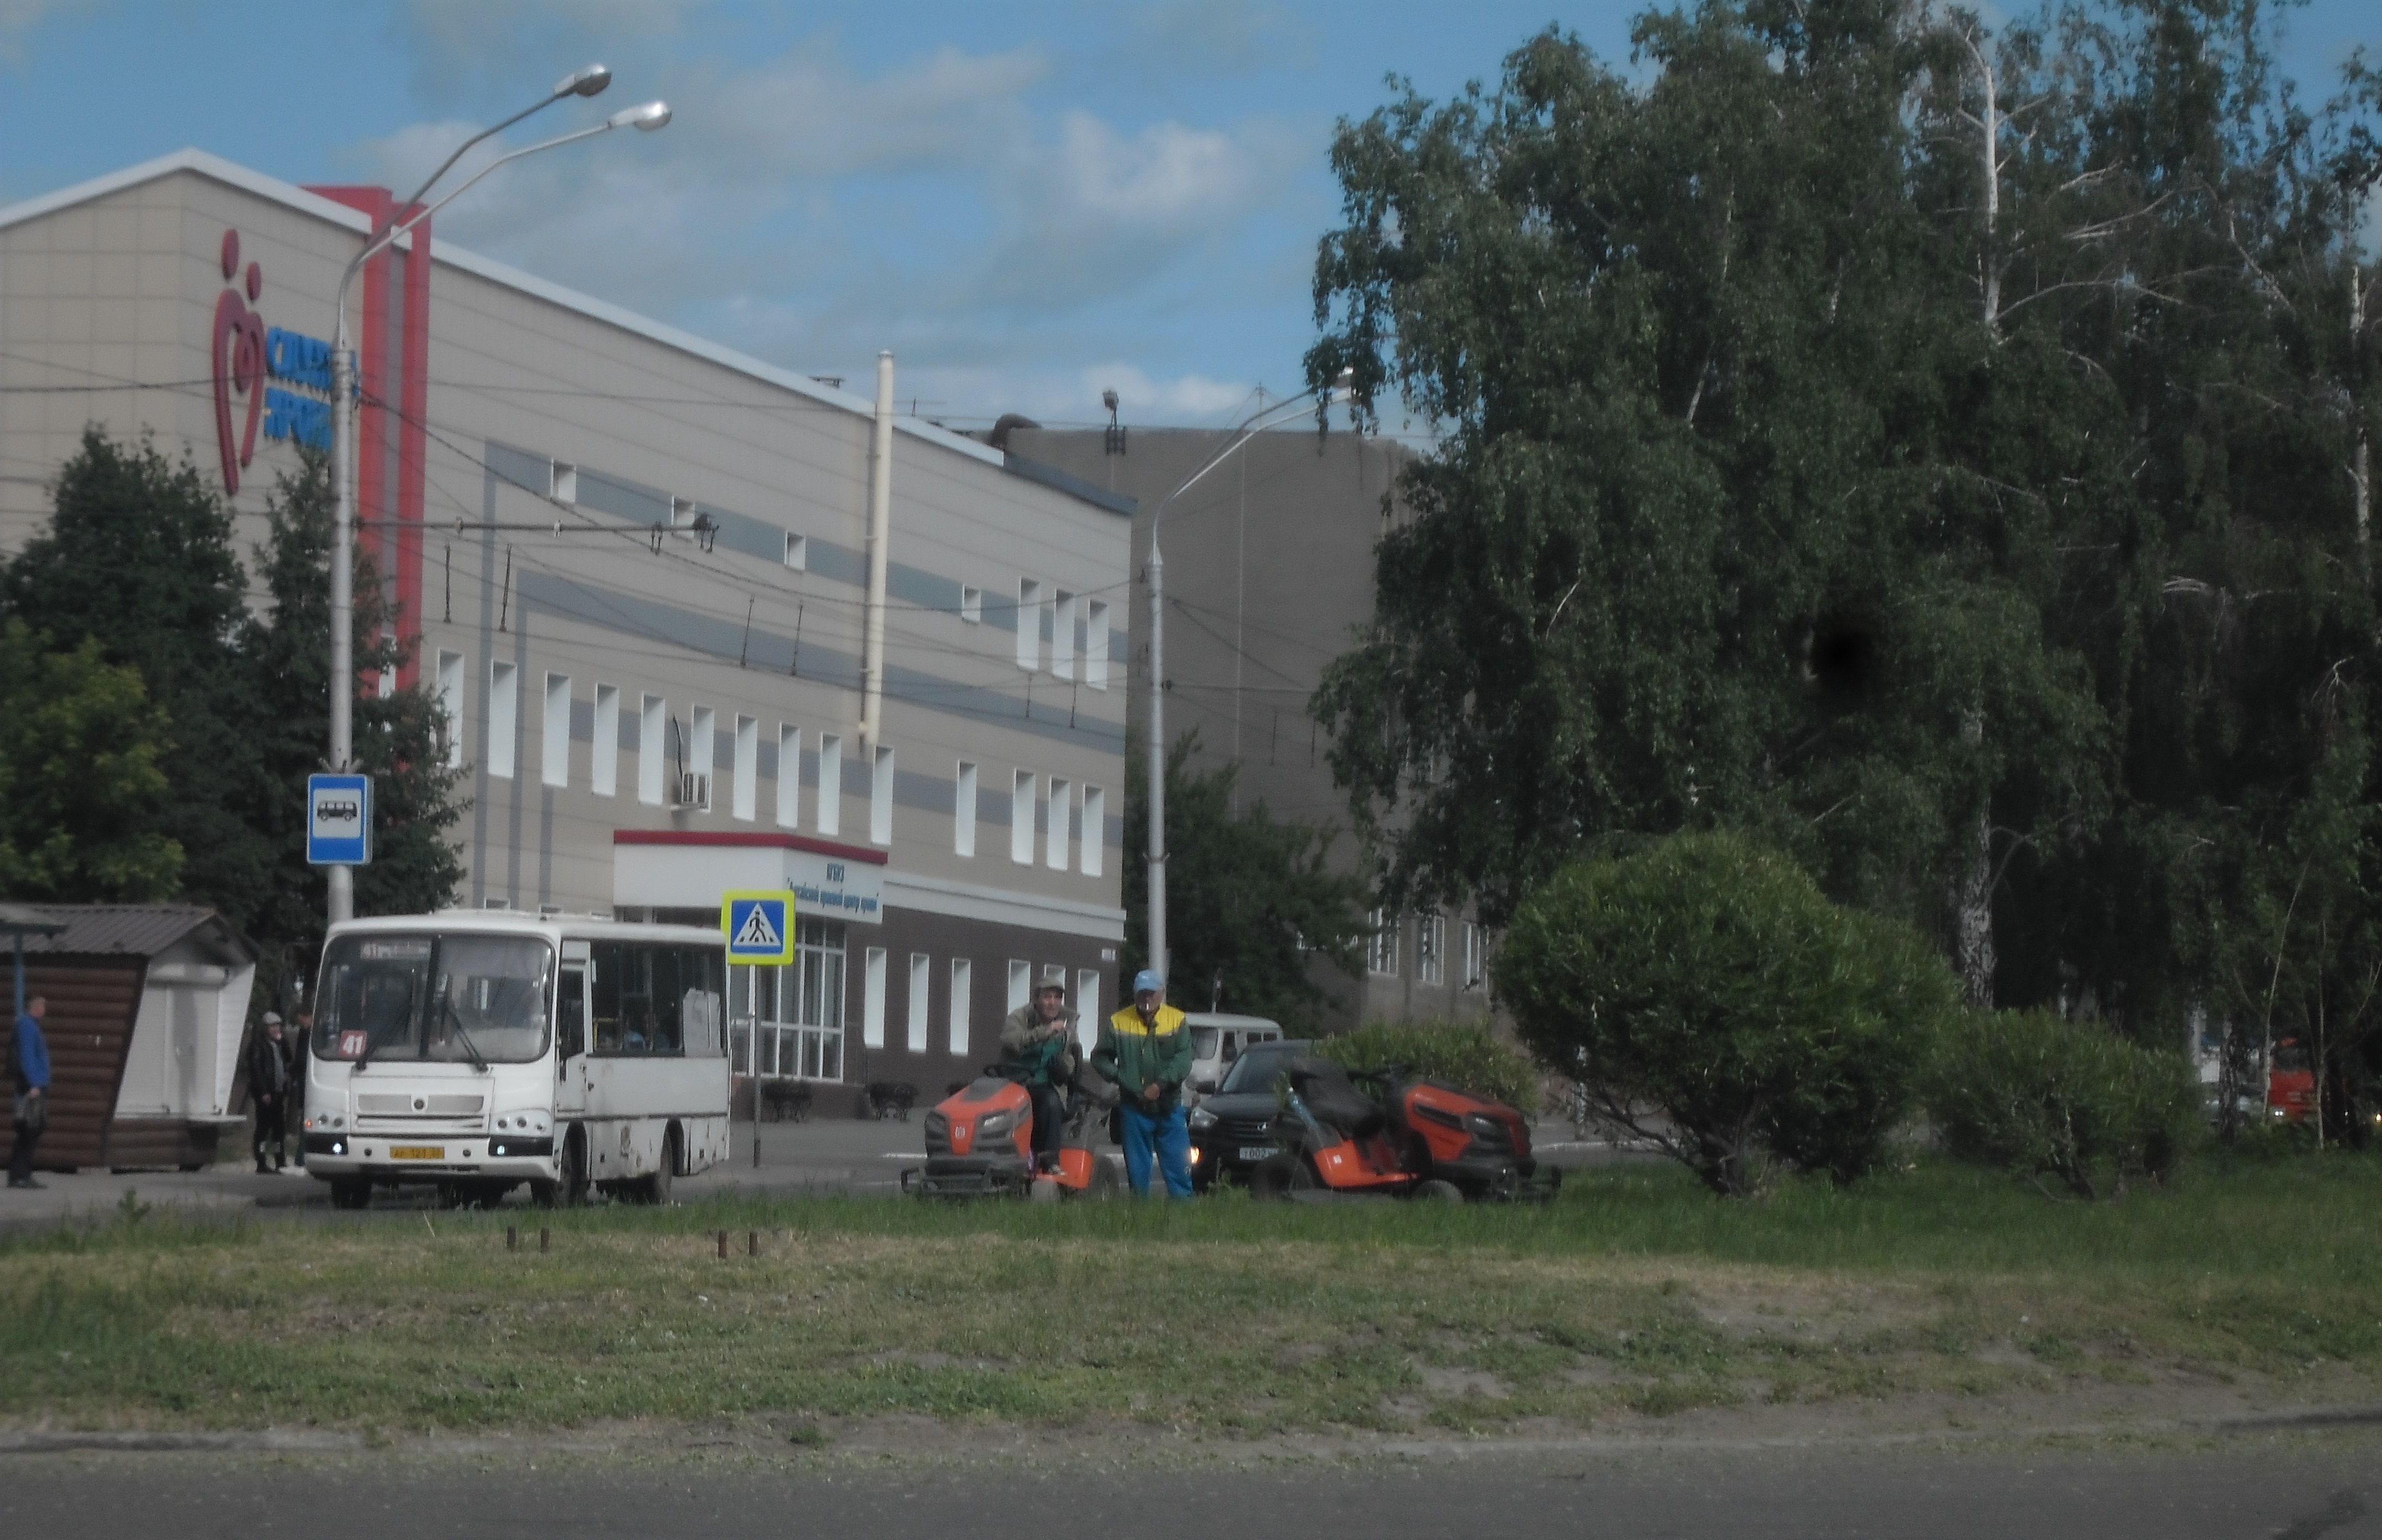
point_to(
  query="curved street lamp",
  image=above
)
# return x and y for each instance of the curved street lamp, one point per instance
(590, 81)
(1255, 423)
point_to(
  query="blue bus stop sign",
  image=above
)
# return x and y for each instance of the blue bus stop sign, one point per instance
(338, 820)
(759, 927)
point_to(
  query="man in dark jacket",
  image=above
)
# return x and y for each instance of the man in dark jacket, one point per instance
(268, 1086)
(29, 1068)
(1038, 1043)
(1145, 1050)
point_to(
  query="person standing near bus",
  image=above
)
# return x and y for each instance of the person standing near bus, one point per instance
(1145, 1049)
(269, 1085)
(29, 1068)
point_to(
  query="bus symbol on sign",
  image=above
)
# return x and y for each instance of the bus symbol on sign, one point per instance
(338, 820)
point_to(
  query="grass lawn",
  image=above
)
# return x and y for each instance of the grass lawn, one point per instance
(1635, 1294)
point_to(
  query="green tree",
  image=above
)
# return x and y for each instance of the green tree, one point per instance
(1250, 900)
(1967, 508)
(80, 773)
(138, 559)
(1707, 998)
(400, 737)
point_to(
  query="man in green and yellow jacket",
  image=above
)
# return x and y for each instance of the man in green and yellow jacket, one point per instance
(1145, 1050)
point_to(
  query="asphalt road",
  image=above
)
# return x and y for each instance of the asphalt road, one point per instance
(2271, 1491)
(824, 1153)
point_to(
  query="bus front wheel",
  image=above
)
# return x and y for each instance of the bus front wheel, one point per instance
(569, 1188)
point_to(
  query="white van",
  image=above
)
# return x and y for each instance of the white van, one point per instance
(1218, 1040)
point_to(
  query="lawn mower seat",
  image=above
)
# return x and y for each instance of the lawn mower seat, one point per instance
(1333, 1098)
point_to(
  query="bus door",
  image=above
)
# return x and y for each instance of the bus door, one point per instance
(570, 1032)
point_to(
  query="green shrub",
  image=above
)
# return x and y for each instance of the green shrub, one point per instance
(1708, 983)
(1465, 1053)
(2046, 1097)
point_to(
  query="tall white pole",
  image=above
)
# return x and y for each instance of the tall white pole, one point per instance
(342, 879)
(880, 532)
(1157, 961)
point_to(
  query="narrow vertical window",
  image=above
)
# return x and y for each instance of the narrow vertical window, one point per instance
(450, 706)
(562, 484)
(1054, 843)
(504, 717)
(1021, 981)
(1029, 624)
(702, 743)
(1430, 941)
(971, 606)
(1020, 819)
(1087, 1007)
(872, 1000)
(1093, 842)
(604, 749)
(652, 753)
(963, 979)
(1382, 954)
(921, 966)
(880, 797)
(798, 552)
(1062, 636)
(554, 767)
(963, 811)
(1472, 979)
(829, 814)
(790, 777)
(1095, 643)
(747, 794)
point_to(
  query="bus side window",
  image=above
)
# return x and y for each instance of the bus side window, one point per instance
(703, 1014)
(608, 965)
(571, 1005)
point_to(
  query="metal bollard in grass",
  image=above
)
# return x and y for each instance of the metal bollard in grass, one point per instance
(752, 1242)
(512, 1239)
(723, 1245)
(545, 1238)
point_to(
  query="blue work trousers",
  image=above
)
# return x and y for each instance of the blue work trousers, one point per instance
(1172, 1139)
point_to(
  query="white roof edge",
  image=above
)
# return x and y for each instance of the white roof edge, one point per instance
(274, 190)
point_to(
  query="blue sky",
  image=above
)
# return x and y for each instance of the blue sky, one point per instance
(1027, 201)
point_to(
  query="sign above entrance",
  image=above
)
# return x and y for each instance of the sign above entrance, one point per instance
(759, 927)
(687, 868)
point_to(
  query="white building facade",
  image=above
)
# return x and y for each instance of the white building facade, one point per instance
(632, 565)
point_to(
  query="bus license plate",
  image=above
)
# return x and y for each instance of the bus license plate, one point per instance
(1257, 1152)
(417, 1152)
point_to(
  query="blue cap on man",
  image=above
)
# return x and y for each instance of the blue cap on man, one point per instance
(1147, 982)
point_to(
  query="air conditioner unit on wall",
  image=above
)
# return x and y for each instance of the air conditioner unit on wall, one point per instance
(693, 791)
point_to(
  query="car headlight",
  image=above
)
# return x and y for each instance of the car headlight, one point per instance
(995, 1124)
(1201, 1117)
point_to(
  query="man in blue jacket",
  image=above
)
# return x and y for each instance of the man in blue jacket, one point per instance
(30, 1065)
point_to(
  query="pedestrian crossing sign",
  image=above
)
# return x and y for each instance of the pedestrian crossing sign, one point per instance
(759, 927)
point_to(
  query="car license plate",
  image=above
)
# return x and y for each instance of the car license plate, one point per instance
(1257, 1152)
(417, 1152)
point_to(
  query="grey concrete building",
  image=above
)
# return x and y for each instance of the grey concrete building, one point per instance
(1269, 576)
(634, 566)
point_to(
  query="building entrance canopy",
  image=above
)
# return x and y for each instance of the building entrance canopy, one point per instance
(679, 869)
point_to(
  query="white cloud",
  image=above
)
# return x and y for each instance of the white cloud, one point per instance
(809, 212)
(18, 18)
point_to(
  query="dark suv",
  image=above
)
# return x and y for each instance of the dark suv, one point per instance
(1232, 1129)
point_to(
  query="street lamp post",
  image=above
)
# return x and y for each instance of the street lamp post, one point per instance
(589, 82)
(1264, 418)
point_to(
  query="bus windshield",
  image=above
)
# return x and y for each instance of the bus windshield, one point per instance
(445, 999)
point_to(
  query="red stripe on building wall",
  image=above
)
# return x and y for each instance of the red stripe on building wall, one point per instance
(396, 554)
(749, 841)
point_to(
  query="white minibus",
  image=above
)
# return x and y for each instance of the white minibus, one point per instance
(473, 1050)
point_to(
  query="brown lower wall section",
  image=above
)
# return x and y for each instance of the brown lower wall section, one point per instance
(93, 1001)
(160, 1144)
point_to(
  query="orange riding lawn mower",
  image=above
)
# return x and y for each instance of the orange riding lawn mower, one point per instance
(1409, 1137)
(980, 1143)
